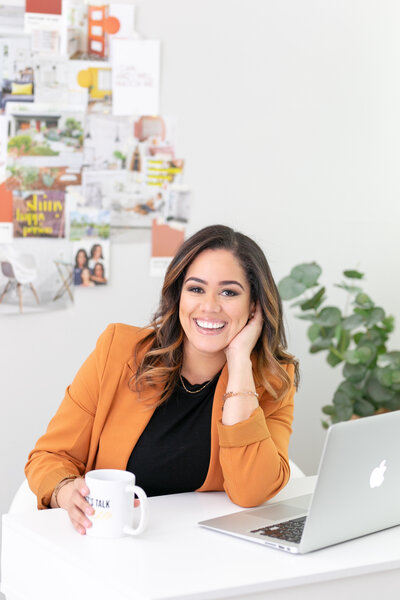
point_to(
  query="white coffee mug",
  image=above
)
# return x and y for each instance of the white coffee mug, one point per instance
(111, 495)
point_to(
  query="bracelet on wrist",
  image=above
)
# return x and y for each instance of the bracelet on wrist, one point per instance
(230, 394)
(60, 485)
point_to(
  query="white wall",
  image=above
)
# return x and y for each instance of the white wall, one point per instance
(289, 119)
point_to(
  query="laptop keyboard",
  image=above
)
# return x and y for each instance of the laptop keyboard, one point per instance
(289, 531)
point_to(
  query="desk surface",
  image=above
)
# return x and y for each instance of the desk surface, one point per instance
(174, 558)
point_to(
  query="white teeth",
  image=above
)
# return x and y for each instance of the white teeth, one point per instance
(209, 324)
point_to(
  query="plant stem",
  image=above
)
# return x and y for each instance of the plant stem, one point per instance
(346, 306)
(335, 352)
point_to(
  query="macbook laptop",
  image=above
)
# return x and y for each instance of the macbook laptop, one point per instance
(357, 492)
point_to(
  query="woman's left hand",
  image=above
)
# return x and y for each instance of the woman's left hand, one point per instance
(244, 342)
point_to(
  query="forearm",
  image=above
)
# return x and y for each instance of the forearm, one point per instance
(254, 452)
(254, 473)
(44, 472)
(56, 500)
(240, 406)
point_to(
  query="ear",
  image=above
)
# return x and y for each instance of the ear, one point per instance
(252, 309)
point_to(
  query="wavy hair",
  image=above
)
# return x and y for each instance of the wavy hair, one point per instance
(159, 354)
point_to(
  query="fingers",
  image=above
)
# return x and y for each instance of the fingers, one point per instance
(80, 485)
(77, 513)
(74, 501)
(81, 503)
(257, 318)
(78, 527)
(257, 312)
(81, 508)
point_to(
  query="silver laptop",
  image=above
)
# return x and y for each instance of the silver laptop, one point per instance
(357, 492)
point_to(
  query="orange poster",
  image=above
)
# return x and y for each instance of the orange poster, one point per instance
(48, 7)
(6, 214)
(165, 241)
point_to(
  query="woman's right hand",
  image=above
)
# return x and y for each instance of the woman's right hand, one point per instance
(71, 497)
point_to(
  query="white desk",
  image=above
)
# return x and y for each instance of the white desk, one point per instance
(43, 558)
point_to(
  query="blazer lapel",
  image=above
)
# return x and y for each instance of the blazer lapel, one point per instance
(214, 479)
(127, 417)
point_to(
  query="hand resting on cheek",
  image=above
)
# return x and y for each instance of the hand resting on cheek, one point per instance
(244, 341)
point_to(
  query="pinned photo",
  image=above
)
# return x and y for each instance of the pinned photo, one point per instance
(89, 223)
(17, 79)
(35, 276)
(39, 214)
(44, 136)
(91, 263)
(165, 241)
(24, 177)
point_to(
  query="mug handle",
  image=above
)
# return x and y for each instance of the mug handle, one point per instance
(144, 510)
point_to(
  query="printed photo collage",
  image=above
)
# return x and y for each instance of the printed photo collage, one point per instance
(86, 160)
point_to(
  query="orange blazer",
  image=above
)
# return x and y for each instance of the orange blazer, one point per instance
(100, 420)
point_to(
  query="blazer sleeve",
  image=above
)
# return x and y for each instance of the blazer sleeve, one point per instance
(254, 453)
(63, 450)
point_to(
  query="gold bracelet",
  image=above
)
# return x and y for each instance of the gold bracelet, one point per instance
(61, 484)
(230, 394)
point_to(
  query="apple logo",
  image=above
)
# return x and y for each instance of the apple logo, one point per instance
(377, 475)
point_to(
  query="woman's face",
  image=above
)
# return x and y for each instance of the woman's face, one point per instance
(81, 258)
(98, 270)
(215, 301)
(97, 252)
(85, 275)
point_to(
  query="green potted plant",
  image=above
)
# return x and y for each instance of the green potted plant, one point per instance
(354, 337)
(121, 157)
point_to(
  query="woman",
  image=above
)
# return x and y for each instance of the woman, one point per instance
(81, 261)
(202, 399)
(98, 274)
(86, 278)
(96, 255)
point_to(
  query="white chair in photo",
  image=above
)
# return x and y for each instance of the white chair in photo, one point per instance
(20, 269)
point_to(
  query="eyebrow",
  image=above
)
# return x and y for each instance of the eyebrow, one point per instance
(227, 282)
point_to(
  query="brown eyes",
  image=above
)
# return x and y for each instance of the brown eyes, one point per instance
(199, 290)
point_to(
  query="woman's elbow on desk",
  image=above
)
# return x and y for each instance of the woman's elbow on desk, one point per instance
(259, 489)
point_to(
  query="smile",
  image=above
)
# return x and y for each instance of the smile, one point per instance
(210, 326)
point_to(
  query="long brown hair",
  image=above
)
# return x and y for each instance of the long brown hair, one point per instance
(161, 350)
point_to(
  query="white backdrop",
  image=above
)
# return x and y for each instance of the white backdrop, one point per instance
(289, 120)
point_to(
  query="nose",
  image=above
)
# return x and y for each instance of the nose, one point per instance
(210, 303)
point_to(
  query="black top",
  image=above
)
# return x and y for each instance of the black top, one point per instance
(173, 453)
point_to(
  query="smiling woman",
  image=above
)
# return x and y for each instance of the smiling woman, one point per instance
(201, 399)
(243, 274)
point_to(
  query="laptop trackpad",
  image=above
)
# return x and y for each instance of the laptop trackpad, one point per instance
(284, 510)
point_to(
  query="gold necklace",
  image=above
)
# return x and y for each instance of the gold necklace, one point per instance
(196, 391)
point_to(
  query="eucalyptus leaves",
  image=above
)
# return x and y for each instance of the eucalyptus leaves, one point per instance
(357, 339)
